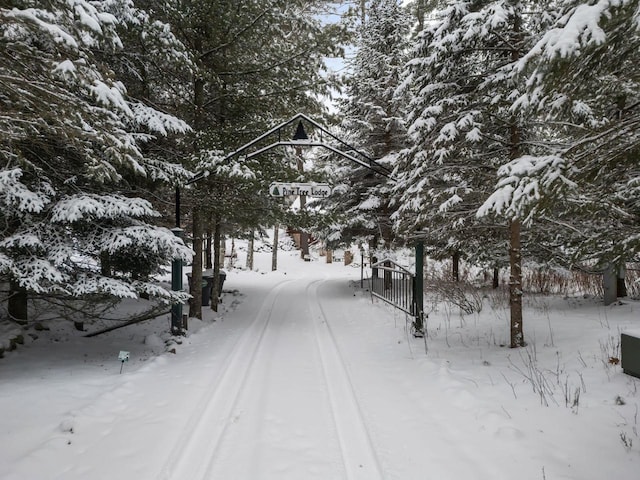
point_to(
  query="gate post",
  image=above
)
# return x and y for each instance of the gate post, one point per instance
(418, 290)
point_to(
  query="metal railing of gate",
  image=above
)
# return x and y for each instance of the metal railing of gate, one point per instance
(394, 284)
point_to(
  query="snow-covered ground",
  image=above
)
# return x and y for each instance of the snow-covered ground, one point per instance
(303, 376)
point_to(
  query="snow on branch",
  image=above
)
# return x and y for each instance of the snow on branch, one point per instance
(111, 96)
(87, 284)
(449, 203)
(16, 195)
(65, 68)
(85, 206)
(22, 240)
(156, 239)
(212, 161)
(5, 262)
(524, 183)
(370, 203)
(167, 172)
(157, 121)
(579, 28)
(46, 22)
(38, 275)
(158, 292)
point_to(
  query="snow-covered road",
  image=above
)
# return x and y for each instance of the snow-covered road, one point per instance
(283, 393)
(308, 392)
(304, 376)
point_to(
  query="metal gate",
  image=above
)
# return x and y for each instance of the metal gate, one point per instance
(395, 285)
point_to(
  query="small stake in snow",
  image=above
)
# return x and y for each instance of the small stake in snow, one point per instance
(123, 357)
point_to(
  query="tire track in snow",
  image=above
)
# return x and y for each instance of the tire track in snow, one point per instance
(359, 456)
(283, 425)
(199, 441)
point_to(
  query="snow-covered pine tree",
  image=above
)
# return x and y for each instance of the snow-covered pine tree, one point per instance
(68, 136)
(440, 83)
(462, 78)
(584, 78)
(373, 124)
(153, 68)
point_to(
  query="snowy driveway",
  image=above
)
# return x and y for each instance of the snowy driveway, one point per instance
(290, 383)
(284, 405)
(302, 377)
(303, 393)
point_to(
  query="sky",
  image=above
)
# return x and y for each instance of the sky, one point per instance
(302, 374)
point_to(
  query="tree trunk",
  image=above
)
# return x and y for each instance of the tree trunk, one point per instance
(388, 282)
(105, 264)
(274, 252)
(420, 13)
(609, 284)
(17, 303)
(496, 277)
(250, 251)
(195, 303)
(222, 251)
(207, 250)
(456, 266)
(515, 284)
(515, 252)
(195, 287)
(198, 99)
(217, 248)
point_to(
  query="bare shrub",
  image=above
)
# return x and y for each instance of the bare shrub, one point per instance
(498, 297)
(632, 280)
(610, 349)
(560, 281)
(475, 283)
(464, 295)
(536, 376)
(545, 280)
